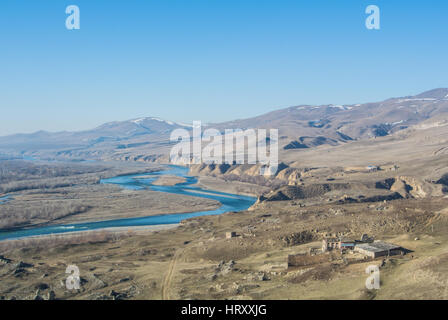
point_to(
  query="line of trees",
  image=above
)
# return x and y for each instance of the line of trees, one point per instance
(20, 215)
(56, 240)
(21, 175)
(14, 170)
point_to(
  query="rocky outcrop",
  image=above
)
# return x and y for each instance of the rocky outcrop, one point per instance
(295, 145)
(410, 187)
(302, 192)
(444, 182)
(401, 187)
(225, 267)
(4, 260)
(285, 175)
(380, 198)
(298, 238)
(241, 173)
(311, 142)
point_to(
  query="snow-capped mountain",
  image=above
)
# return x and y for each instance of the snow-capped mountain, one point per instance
(300, 127)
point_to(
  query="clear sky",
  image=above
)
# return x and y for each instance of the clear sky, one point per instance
(209, 60)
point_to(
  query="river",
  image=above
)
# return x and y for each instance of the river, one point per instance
(229, 202)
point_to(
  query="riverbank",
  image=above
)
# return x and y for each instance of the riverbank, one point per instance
(100, 202)
(169, 180)
(234, 187)
(77, 237)
(124, 201)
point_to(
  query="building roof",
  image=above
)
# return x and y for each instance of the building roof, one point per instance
(378, 246)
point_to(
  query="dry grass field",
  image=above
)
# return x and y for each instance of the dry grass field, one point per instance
(195, 260)
(84, 199)
(319, 192)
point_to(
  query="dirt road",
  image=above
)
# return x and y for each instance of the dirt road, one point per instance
(169, 275)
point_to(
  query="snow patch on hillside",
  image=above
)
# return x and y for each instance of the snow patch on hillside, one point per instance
(171, 123)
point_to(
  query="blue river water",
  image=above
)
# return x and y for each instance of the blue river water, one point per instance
(4, 199)
(229, 202)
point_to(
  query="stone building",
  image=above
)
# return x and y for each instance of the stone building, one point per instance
(231, 234)
(378, 249)
(329, 244)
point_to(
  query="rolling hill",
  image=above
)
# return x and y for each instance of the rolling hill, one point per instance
(301, 128)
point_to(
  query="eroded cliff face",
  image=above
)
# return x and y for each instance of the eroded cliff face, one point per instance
(324, 185)
(285, 175)
(411, 187)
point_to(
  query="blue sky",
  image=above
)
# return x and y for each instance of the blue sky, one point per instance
(209, 60)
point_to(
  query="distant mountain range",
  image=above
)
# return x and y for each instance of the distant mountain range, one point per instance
(300, 127)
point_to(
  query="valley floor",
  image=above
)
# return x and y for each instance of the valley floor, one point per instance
(196, 261)
(77, 198)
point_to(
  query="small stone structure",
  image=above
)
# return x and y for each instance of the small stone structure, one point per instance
(378, 249)
(366, 246)
(329, 244)
(231, 234)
